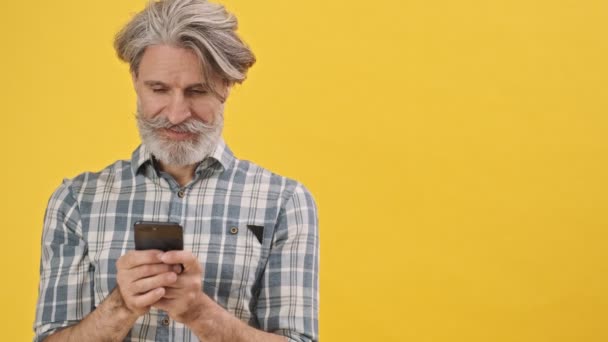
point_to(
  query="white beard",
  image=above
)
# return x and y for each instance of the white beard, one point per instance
(180, 153)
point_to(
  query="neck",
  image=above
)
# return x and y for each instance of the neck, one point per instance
(182, 174)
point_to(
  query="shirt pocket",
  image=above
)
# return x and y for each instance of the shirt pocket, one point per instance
(234, 262)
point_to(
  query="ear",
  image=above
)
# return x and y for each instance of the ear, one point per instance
(226, 90)
(134, 80)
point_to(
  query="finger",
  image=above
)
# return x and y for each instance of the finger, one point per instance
(186, 283)
(133, 259)
(182, 282)
(149, 298)
(172, 292)
(146, 284)
(149, 270)
(186, 258)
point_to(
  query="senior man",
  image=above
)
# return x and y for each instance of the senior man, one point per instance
(249, 268)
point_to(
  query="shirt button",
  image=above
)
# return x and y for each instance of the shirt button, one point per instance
(234, 230)
(165, 321)
(180, 194)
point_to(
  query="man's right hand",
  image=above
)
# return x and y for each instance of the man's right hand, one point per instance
(142, 278)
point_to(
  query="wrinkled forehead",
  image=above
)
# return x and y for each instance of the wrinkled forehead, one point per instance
(169, 63)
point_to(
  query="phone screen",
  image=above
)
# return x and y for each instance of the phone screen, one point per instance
(165, 236)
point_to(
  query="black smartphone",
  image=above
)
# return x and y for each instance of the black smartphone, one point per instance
(166, 236)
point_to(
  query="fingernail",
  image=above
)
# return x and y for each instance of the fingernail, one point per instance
(160, 256)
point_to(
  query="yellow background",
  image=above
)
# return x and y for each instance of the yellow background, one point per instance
(457, 151)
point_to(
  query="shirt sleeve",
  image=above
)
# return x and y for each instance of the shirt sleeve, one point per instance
(65, 294)
(288, 302)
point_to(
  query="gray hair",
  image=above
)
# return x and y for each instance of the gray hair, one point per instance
(205, 28)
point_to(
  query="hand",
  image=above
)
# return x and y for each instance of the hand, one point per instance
(183, 298)
(142, 279)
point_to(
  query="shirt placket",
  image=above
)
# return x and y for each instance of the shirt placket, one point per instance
(176, 210)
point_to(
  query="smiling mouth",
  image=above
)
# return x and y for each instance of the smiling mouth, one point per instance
(175, 135)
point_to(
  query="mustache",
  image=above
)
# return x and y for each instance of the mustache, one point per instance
(191, 125)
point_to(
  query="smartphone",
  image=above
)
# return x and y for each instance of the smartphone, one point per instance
(166, 236)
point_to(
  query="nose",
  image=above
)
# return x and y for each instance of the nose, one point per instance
(178, 109)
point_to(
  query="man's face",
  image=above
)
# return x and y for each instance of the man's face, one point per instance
(180, 120)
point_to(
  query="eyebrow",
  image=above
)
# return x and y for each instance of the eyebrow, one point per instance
(153, 83)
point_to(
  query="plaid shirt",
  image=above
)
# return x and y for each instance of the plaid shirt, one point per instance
(254, 232)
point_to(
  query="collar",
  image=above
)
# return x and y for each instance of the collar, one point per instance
(142, 157)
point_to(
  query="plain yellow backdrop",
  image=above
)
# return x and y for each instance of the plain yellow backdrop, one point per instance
(457, 150)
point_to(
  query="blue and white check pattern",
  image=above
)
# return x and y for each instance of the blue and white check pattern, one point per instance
(272, 285)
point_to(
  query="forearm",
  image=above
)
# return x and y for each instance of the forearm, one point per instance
(214, 324)
(110, 321)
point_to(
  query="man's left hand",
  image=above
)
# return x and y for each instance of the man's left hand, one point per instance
(183, 300)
